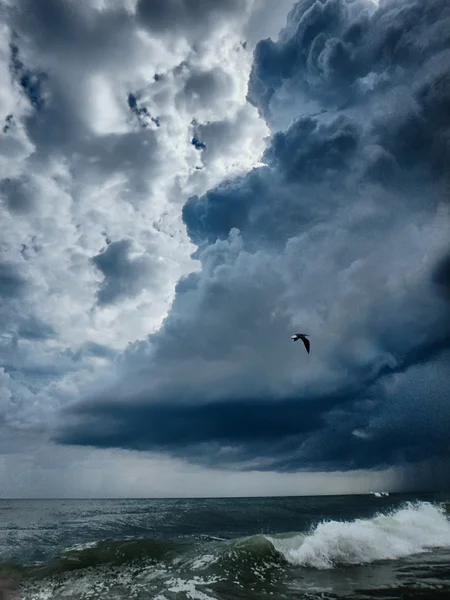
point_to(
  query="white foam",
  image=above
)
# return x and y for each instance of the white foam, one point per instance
(413, 529)
(204, 561)
(189, 587)
(81, 547)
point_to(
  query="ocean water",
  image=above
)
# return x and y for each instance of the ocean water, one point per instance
(355, 547)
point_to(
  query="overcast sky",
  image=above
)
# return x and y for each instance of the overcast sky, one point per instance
(185, 184)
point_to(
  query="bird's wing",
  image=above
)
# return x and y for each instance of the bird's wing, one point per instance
(307, 344)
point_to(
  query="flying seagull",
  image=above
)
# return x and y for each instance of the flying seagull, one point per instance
(303, 337)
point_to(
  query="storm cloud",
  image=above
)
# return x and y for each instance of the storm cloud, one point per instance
(342, 232)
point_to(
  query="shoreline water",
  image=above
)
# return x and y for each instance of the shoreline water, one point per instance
(220, 549)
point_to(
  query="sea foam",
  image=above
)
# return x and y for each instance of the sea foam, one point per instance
(412, 529)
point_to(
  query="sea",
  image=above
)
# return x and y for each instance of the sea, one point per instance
(327, 547)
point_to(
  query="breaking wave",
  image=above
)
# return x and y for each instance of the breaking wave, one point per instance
(412, 529)
(161, 564)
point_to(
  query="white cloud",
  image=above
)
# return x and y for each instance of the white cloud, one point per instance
(80, 169)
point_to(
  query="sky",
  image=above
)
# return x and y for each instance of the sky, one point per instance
(183, 186)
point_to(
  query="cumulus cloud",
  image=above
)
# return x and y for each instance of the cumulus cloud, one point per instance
(342, 232)
(96, 160)
(130, 140)
(192, 18)
(123, 275)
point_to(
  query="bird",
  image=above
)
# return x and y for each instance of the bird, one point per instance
(304, 338)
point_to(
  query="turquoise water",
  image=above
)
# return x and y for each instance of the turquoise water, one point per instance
(312, 547)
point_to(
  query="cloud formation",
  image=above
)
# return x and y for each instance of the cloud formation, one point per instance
(342, 232)
(190, 17)
(96, 160)
(129, 141)
(122, 274)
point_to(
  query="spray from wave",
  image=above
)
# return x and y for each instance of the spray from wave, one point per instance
(412, 529)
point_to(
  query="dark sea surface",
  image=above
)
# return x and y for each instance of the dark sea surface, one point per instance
(393, 547)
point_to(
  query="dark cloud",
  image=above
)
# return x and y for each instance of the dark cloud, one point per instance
(317, 54)
(309, 150)
(17, 194)
(33, 328)
(68, 27)
(340, 234)
(228, 422)
(9, 120)
(214, 215)
(198, 144)
(124, 276)
(12, 283)
(335, 54)
(32, 83)
(441, 276)
(348, 428)
(191, 17)
(266, 205)
(423, 123)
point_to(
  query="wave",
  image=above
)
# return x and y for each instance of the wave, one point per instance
(412, 529)
(109, 553)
